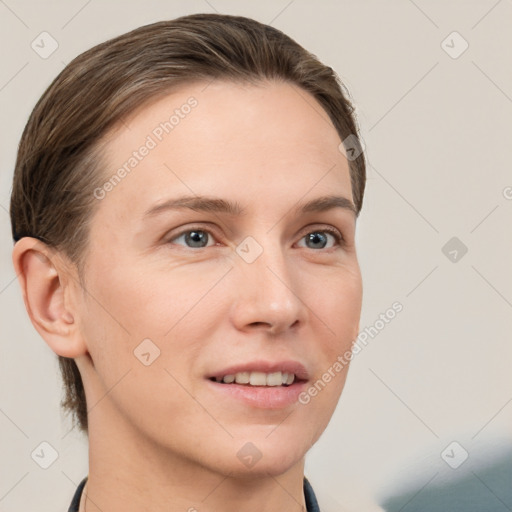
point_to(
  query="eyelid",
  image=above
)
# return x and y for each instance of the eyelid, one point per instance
(335, 232)
(311, 228)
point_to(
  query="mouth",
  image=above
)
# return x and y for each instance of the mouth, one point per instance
(272, 379)
(263, 385)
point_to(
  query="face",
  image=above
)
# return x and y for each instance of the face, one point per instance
(240, 281)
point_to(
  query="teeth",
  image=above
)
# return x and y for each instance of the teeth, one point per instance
(274, 379)
(259, 378)
(242, 378)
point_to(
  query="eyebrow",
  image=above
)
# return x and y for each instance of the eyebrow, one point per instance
(217, 205)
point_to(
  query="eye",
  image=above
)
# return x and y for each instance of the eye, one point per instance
(193, 238)
(197, 238)
(319, 239)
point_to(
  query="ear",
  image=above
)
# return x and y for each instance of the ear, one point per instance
(49, 290)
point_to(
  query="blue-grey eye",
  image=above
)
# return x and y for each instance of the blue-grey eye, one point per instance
(194, 238)
(319, 239)
(198, 239)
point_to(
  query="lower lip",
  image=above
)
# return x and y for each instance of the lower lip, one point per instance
(263, 397)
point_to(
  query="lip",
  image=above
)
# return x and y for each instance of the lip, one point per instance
(262, 397)
(288, 366)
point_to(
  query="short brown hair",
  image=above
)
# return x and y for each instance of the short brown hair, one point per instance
(58, 162)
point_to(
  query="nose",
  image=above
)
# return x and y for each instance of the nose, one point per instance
(267, 295)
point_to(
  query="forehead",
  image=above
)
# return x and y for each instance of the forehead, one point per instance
(266, 141)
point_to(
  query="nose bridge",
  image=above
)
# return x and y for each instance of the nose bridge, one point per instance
(267, 286)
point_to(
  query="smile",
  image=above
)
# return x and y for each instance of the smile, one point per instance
(258, 378)
(261, 384)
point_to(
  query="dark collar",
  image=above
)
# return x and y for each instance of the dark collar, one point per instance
(75, 503)
(309, 496)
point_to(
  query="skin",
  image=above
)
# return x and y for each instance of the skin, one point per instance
(159, 437)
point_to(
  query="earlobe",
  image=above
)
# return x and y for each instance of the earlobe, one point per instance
(47, 289)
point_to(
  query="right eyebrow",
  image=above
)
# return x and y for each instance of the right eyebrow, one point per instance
(197, 203)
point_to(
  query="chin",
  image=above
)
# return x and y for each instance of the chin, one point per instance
(255, 456)
(274, 466)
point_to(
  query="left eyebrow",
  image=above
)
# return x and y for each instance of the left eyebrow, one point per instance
(322, 204)
(214, 204)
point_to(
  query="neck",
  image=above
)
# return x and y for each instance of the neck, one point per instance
(129, 474)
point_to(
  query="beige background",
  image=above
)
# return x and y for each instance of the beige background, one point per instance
(437, 135)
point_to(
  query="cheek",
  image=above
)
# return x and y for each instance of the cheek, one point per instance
(142, 352)
(150, 299)
(179, 316)
(336, 308)
(337, 304)
(127, 305)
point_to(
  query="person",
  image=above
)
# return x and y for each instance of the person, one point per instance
(184, 209)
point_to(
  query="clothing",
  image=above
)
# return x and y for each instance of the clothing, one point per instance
(309, 496)
(75, 503)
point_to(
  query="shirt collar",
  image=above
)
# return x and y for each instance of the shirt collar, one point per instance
(309, 496)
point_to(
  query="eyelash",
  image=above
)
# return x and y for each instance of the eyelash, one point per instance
(340, 241)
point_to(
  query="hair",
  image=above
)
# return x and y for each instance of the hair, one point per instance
(58, 162)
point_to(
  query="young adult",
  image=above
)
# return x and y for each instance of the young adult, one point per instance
(184, 209)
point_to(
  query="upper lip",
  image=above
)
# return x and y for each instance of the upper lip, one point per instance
(266, 367)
